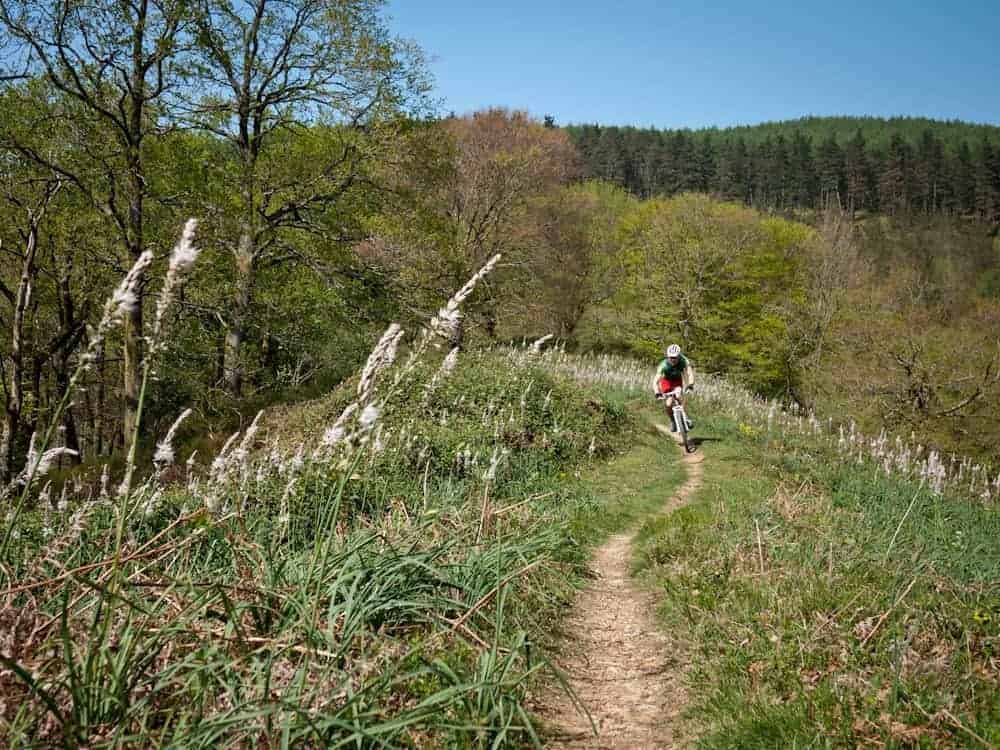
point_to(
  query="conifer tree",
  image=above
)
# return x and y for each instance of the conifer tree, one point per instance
(830, 172)
(987, 184)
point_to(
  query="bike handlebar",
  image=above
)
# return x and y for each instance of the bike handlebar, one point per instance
(674, 392)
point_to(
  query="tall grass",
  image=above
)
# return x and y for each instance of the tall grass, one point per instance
(377, 580)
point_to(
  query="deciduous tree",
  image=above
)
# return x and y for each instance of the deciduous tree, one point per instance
(115, 62)
(325, 73)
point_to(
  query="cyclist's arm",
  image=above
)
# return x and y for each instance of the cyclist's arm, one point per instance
(656, 378)
(687, 377)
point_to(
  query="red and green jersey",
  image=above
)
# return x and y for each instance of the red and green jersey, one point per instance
(672, 372)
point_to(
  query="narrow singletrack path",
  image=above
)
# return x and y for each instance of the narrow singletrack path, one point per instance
(623, 669)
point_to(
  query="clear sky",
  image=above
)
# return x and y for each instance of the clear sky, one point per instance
(715, 62)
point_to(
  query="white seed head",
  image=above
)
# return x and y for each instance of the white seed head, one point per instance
(185, 253)
(164, 455)
(368, 416)
(539, 343)
(381, 357)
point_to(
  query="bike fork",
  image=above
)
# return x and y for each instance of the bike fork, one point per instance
(677, 413)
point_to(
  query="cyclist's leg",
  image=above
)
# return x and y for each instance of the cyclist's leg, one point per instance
(671, 400)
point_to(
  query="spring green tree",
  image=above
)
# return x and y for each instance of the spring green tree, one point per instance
(114, 64)
(713, 277)
(301, 93)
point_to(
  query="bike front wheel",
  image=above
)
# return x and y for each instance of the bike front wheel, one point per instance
(685, 438)
(680, 423)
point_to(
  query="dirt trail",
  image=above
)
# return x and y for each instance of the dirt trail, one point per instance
(623, 669)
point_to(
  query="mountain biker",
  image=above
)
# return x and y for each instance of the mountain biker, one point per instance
(674, 372)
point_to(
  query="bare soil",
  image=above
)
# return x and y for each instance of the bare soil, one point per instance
(625, 671)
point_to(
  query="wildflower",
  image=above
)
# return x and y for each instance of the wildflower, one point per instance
(447, 323)
(449, 362)
(212, 502)
(443, 371)
(185, 253)
(524, 396)
(125, 298)
(151, 502)
(490, 474)
(336, 433)
(448, 320)
(298, 460)
(242, 453)
(536, 347)
(221, 461)
(333, 436)
(39, 466)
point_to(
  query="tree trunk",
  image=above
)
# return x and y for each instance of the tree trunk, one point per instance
(134, 240)
(72, 332)
(97, 425)
(15, 389)
(71, 438)
(132, 333)
(131, 372)
(236, 333)
(11, 420)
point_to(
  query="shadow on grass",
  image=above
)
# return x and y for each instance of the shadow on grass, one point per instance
(696, 441)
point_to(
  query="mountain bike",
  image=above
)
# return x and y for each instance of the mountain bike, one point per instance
(675, 408)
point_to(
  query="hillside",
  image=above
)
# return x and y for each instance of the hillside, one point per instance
(400, 577)
(877, 131)
(821, 586)
(901, 165)
(326, 420)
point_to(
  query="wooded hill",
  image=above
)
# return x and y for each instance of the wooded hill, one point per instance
(898, 165)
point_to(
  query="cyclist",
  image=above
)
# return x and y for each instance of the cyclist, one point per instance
(674, 372)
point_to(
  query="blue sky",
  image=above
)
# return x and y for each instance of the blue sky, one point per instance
(718, 62)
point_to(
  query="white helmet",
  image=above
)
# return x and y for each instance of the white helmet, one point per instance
(673, 350)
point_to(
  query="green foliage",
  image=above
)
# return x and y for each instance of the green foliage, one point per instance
(900, 165)
(467, 188)
(915, 327)
(394, 598)
(828, 604)
(711, 276)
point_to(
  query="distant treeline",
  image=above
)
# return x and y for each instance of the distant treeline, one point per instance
(902, 165)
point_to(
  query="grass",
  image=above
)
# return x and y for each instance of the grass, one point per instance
(632, 485)
(830, 605)
(401, 597)
(403, 592)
